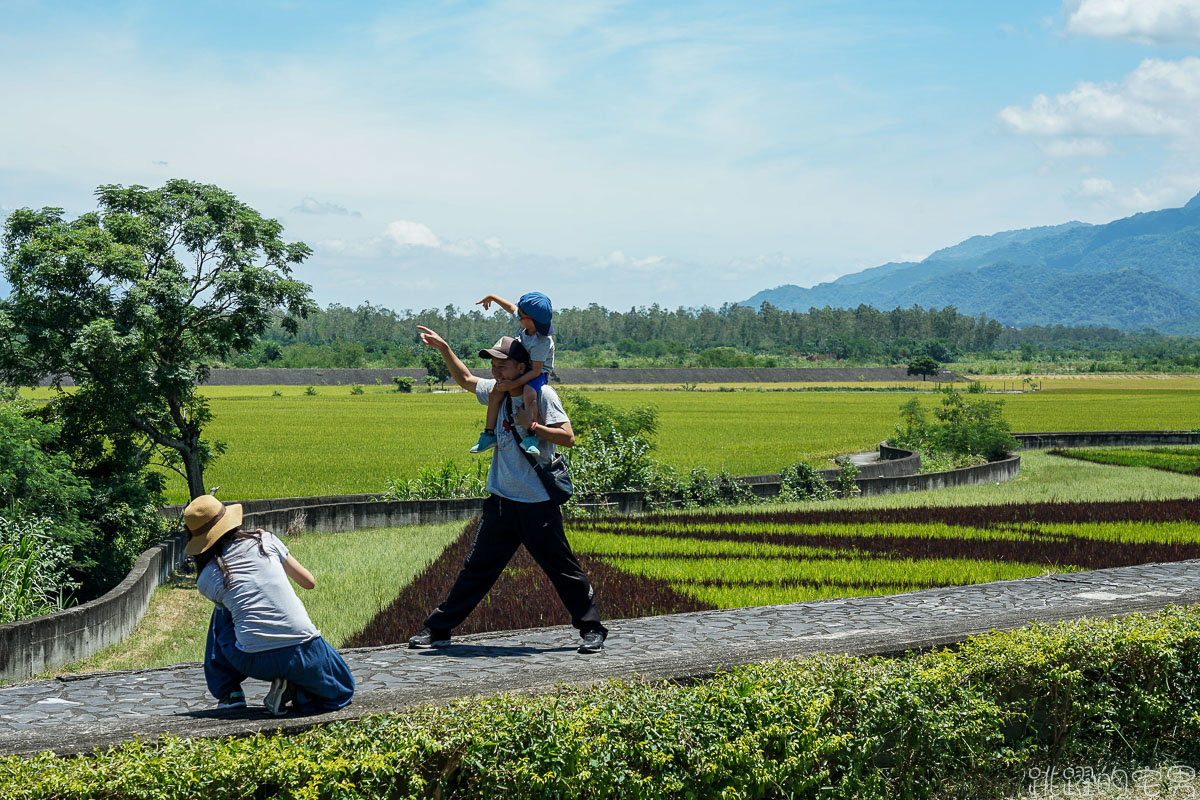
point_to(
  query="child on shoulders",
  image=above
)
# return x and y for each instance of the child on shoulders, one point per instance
(534, 313)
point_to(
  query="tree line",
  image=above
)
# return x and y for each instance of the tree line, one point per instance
(729, 336)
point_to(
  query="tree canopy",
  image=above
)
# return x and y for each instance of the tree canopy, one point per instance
(135, 302)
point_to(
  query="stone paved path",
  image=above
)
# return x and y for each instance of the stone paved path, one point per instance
(75, 713)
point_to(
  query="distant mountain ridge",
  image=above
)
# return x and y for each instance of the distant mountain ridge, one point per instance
(1132, 273)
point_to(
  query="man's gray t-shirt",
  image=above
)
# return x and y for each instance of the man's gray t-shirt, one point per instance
(511, 476)
(267, 614)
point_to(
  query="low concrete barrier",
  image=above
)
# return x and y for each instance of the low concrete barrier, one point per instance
(36, 645)
(43, 643)
(1038, 441)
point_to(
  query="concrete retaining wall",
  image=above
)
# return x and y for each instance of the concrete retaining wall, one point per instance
(1037, 441)
(36, 645)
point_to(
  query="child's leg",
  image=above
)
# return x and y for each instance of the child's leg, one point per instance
(487, 439)
(495, 398)
(529, 414)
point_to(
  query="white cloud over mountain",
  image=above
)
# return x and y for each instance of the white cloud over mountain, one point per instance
(1159, 98)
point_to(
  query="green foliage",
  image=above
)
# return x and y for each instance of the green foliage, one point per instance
(33, 569)
(135, 302)
(447, 480)
(356, 389)
(311, 391)
(924, 366)
(846, 486)
(37, 478)
(1185, 460)
(965, 428)
(969, 721)
(404, 384)
(799, 482)
(435, 365)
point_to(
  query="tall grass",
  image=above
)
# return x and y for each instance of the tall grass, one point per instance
(33, 570)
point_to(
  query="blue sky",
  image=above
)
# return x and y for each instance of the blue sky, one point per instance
(617, 153)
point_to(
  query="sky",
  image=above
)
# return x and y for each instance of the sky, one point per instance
(625, 154)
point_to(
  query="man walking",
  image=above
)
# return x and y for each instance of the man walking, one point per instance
(518, 511)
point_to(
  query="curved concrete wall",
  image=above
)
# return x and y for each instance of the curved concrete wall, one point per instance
(36, 645)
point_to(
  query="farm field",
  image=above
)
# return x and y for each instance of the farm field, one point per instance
(345, 600)
(662, 564)
(1185, 460)
(338, 443)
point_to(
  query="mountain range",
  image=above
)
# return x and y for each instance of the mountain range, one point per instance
(1133, 273)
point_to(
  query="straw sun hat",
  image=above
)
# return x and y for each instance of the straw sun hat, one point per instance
(207, 520)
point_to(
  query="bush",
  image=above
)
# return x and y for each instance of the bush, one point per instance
(968, 429)
(965, 722)
(356, 389)
(33, 569)
(803, 482)
(404, 384)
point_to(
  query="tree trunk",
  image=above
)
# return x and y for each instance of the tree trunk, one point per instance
(194, 472)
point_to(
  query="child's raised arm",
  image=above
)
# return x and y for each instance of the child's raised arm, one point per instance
(507, 305)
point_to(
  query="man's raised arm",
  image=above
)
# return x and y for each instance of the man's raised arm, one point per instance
(458, 370)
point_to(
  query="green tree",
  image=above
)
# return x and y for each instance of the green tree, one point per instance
(137, 300)
(435, 366)
(924, 366)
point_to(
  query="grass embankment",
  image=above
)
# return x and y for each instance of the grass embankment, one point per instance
(358, 573)
(338, 443)
(976, 721)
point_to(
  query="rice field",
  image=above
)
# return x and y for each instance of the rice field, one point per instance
(688, 561)
(338, 443)
(1185, 460)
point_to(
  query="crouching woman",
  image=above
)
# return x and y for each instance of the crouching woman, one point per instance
(259, 627)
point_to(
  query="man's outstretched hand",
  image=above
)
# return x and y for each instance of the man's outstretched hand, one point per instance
(431, 338)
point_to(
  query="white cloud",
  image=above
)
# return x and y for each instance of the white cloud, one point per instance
(1159, 98)
(1096, 187)
(404, 232)
(618, 260)
(1144, 21)
(1076, 148)
(310, 205)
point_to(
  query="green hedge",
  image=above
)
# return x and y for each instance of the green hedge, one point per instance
(1096, 692)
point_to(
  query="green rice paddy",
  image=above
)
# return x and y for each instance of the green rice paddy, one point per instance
(337, 443)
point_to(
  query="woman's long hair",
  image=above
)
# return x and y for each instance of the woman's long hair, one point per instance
(217, 551)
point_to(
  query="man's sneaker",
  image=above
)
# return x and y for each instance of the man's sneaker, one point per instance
(486, 442)
(593, 641)
(235, 699)
(529, 445)
(427, 638)
(278, 696)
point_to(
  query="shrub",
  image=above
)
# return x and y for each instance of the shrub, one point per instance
(311, 391)
(33, 569)
(803, 482)
(967, 428)
(404, 384)
(356, 389)
(965, 722)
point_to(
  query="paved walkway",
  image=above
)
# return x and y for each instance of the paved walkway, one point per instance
(76, 713)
